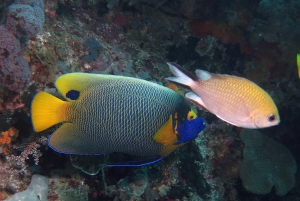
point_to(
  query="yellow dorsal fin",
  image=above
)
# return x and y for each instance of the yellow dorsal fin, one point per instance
(47, 110)
(77, 82)
(166, 133)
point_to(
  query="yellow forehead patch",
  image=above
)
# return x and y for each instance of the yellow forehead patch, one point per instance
(191, 115)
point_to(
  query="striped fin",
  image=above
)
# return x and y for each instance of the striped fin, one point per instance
(47, 110)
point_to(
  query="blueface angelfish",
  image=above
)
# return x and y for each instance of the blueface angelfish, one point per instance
(233, 99)
(102, 114)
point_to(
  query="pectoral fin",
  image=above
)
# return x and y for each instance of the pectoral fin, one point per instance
(194, 98)
(166, 134)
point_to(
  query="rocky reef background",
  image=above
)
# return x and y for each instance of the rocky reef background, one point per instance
(258, 40)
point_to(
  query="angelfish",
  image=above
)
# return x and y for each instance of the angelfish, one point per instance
(103, 114)
(235, 100)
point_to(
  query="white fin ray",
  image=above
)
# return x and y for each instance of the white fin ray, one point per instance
(180, 77)
(195, 99)
(225, 120)
(203, 75)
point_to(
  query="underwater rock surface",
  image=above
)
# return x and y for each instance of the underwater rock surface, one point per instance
(258, 40)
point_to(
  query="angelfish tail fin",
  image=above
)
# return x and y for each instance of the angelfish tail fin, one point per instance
(47, 110)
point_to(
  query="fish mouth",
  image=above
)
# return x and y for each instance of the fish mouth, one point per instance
(277, 123)
(266, 126)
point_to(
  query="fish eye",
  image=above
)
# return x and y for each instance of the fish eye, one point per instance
(271, 118)
(73, 94)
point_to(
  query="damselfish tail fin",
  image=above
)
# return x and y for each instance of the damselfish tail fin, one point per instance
(47, 110)
(182, 76)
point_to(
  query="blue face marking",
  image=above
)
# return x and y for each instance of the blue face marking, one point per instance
(189, 130)
(73, 94)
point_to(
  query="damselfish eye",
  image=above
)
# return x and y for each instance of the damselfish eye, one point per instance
(271, 118)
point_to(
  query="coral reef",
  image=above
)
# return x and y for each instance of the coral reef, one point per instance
(94, 49)
(40, 40)
(266, 163)
(6, 138)
(12, 181)
(24, 19)
(36, 191)
(15, 74)
(222, 152)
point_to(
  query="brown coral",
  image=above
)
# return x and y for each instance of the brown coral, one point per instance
(224, 150)
(266, 163)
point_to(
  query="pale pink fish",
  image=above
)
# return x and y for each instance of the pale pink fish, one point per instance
(235, 100)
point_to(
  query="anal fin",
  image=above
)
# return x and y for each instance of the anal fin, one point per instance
(194, 98)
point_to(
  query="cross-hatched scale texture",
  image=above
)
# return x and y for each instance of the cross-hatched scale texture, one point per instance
(127, 116)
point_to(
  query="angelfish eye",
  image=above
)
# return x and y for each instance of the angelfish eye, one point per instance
(271, 118)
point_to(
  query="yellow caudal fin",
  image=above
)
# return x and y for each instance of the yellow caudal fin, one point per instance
(47, 110)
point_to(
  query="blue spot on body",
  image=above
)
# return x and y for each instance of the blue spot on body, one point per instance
(189, 130)
(73, 94)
